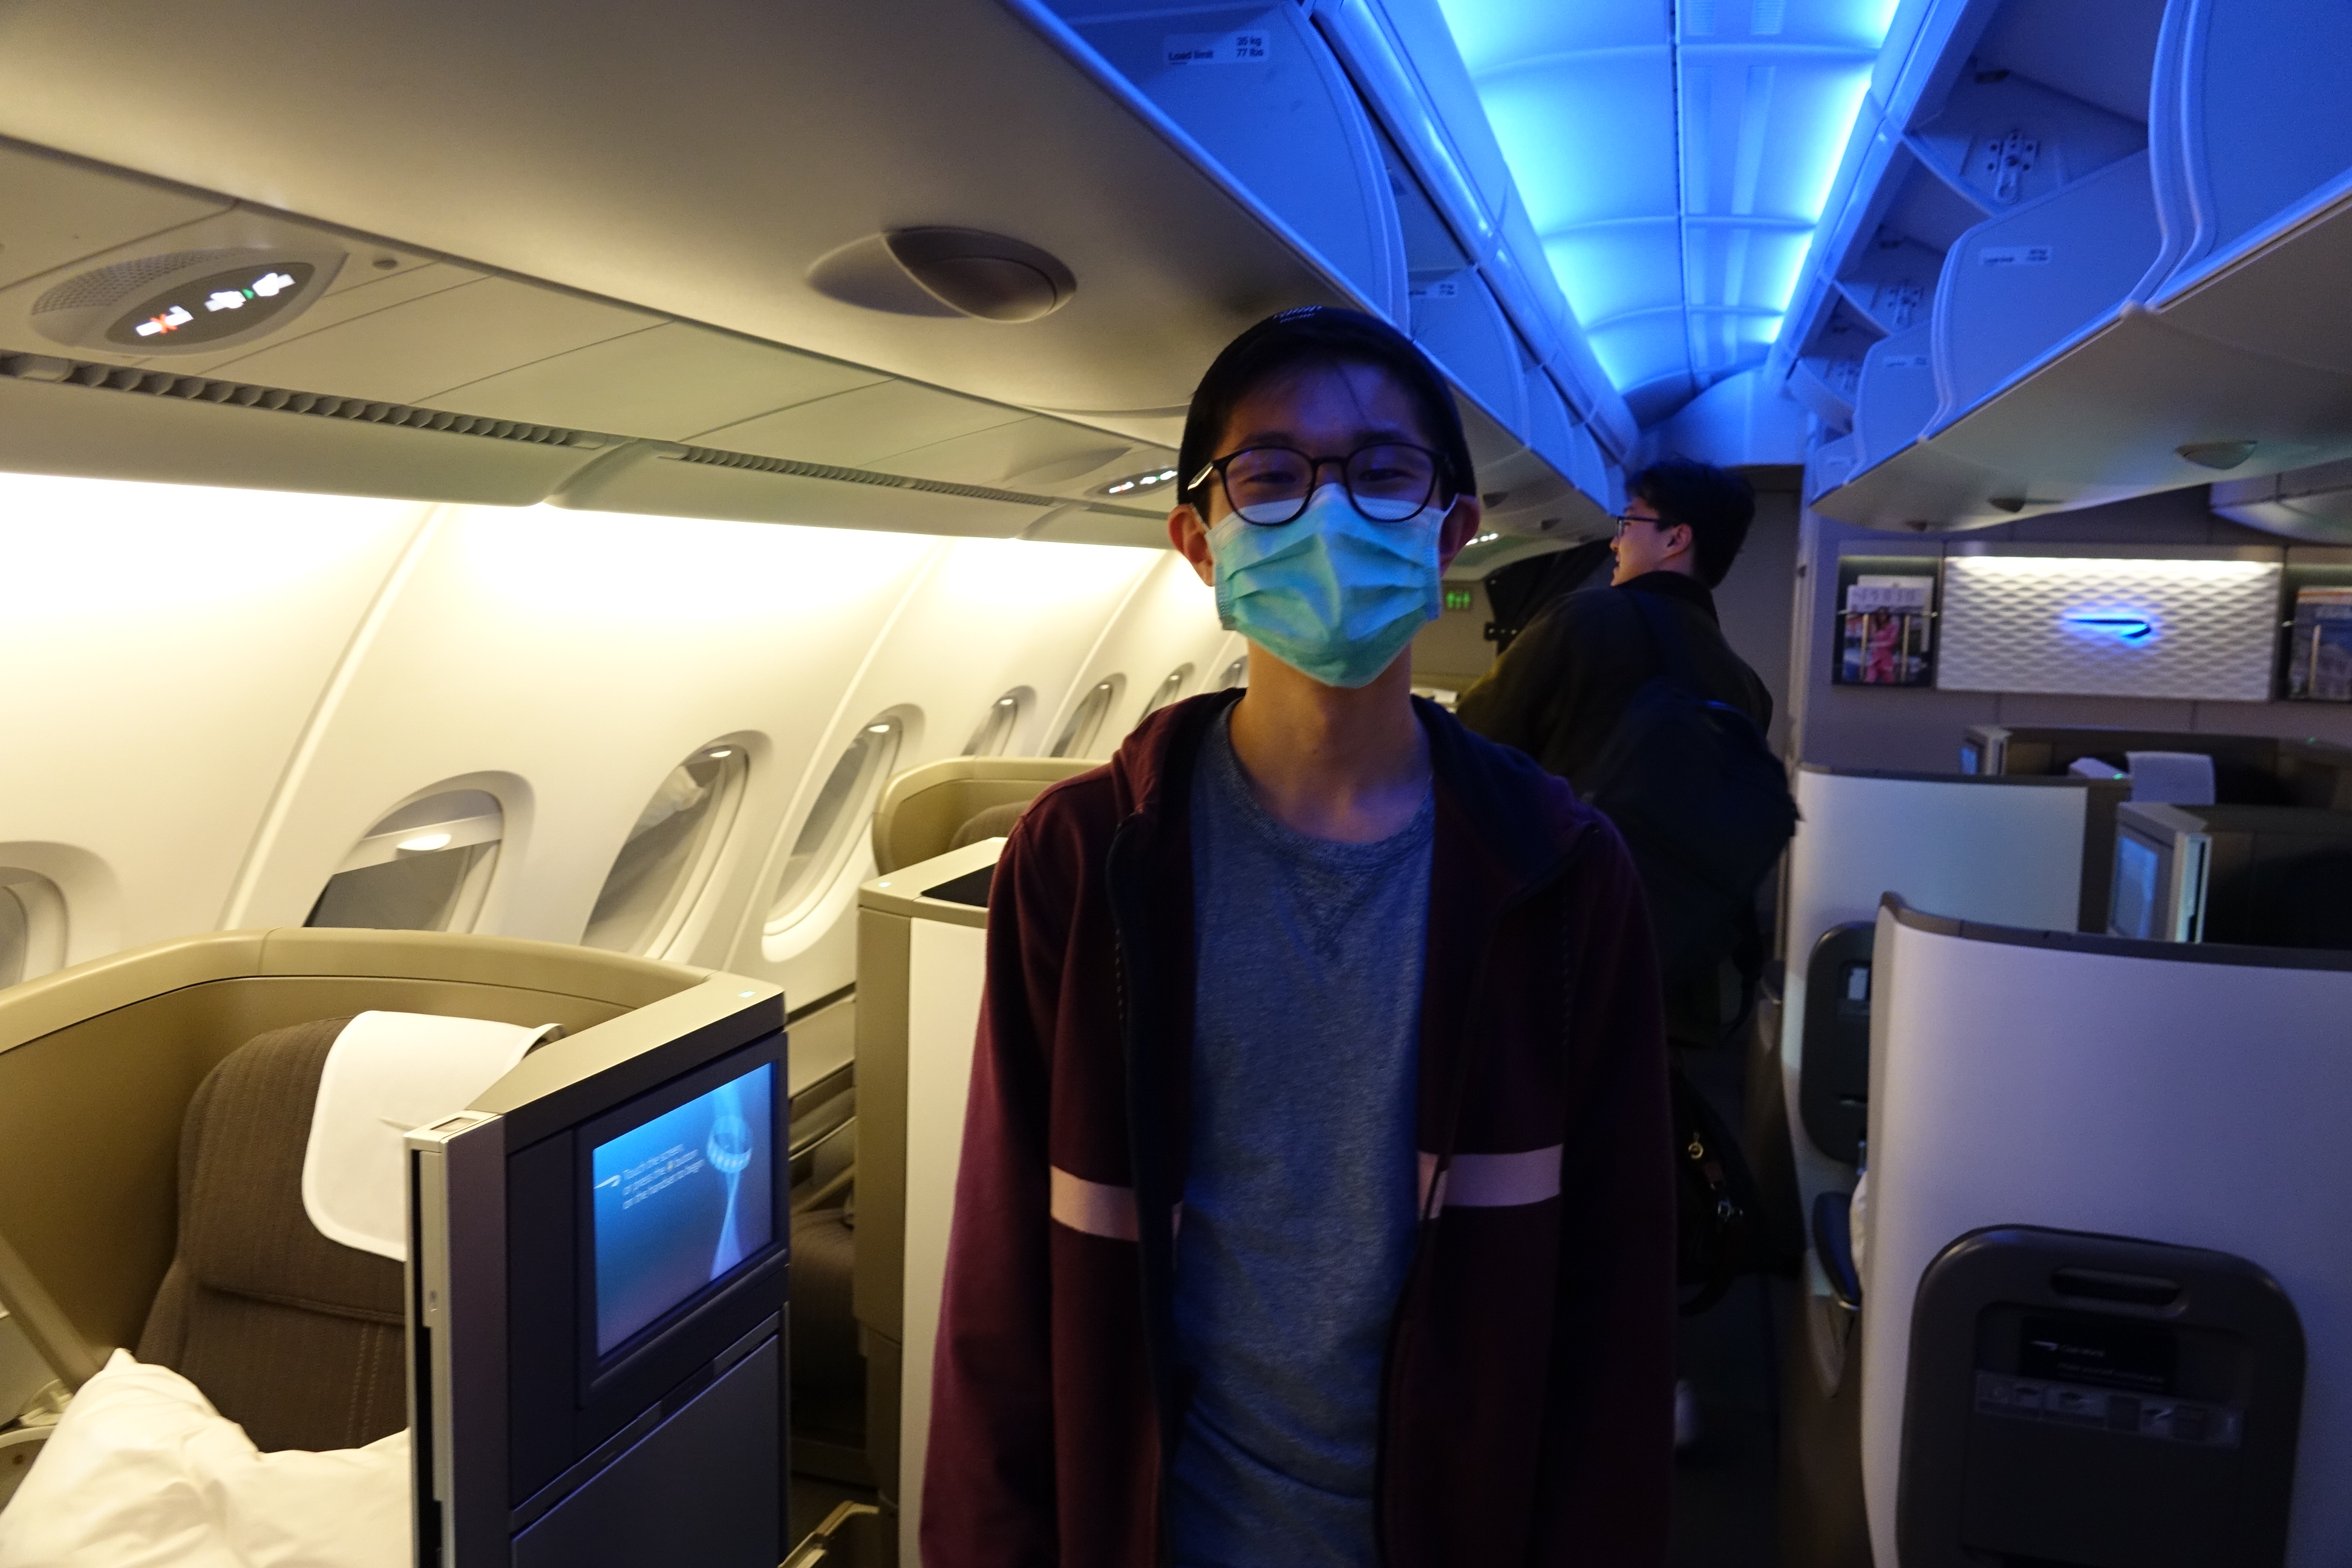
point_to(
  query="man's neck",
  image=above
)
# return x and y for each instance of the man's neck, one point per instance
(1328, 762)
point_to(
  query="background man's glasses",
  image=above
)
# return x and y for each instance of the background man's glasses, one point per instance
(1269, 486)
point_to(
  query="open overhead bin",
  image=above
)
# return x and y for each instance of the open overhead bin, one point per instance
(2081, 259)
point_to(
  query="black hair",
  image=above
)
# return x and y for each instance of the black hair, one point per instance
(1716, 504)
(1321, 335)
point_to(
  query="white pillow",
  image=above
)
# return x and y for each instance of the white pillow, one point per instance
(142, 1472)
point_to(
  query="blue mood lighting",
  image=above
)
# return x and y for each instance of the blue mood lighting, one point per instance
(1675, 161)
(680, 1202)
(2132, 630)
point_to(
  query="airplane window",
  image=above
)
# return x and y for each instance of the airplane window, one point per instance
(843, 808)
(32, 926)
(995, 732)
(1170, 690)
(425, 868)
(1236, 674)
(1078, 735)
(669, 854)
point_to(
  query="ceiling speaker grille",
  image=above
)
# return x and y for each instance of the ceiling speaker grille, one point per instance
(109, 285)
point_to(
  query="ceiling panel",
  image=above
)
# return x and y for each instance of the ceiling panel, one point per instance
(1675, 160)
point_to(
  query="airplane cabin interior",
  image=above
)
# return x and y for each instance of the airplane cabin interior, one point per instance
(544, 550)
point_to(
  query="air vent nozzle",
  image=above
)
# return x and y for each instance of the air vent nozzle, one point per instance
(937, 271)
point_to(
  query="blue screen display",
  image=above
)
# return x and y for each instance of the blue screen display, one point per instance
(681, 1202)
(2133, 910)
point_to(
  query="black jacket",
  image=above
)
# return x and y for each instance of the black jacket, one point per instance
(1559, 690)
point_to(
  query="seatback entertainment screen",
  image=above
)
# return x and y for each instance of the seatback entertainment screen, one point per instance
(681, 1202)
(2136, 904)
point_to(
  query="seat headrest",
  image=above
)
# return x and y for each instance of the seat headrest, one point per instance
(386, 1074)
(995, 822)
(2172, 778)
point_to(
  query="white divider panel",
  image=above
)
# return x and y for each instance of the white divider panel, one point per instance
(2185, 1102)
(946, 966)
(2006, 850)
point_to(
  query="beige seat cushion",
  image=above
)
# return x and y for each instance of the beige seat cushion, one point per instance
(296, 1338)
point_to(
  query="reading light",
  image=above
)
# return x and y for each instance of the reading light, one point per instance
(1133, 482)
(877, 728)
(718, 751)
(425, 842)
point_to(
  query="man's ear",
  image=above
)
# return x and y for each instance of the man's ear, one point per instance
(1190, 535)
(1460, 527)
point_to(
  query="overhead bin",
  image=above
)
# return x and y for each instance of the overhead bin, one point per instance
(1259, 91)
(1402, 56)
(2137, 262)
(1264, 93)
(2313, 503)
(1457, 323)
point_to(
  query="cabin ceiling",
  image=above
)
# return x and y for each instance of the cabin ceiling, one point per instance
(1675, 159)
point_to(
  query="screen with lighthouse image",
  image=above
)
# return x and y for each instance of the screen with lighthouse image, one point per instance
(681, 1202)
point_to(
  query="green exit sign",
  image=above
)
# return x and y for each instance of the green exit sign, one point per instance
(1457, 598)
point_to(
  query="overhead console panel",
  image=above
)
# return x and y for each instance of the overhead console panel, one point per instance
(229, 345)
(2076, 253)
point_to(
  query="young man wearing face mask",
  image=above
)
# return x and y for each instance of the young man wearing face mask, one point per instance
(1316, 1206)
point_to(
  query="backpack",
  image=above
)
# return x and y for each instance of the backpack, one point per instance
(1704, 806)
(1702, 803)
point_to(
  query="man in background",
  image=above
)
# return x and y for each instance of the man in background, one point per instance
(1560, 689)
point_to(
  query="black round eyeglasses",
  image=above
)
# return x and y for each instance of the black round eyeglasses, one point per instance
(1269, 486)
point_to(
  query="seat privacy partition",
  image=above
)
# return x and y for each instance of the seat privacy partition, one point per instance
(98, 1063)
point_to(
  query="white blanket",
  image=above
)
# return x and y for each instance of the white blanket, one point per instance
(142, 1472)
(387, 1075)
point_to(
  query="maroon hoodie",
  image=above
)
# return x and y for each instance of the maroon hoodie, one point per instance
(1527, 1400)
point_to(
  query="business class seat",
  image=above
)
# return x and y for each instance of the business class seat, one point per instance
(926, 811)
(296, 1338)
(150, 1169)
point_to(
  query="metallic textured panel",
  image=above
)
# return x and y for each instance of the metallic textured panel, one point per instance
(2198, 629)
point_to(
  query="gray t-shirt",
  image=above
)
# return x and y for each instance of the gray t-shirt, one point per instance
(1298, 1225)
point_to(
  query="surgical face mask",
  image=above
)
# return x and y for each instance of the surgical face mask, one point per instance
(1331, 594)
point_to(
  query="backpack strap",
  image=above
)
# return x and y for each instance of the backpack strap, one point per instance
(1667, 642)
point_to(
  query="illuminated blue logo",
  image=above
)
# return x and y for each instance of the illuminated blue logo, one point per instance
(2132, 631)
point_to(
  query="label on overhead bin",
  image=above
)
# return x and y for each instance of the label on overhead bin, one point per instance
(1905, 362)
(1249, 49)
(1439, 289)
(2015, 255)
